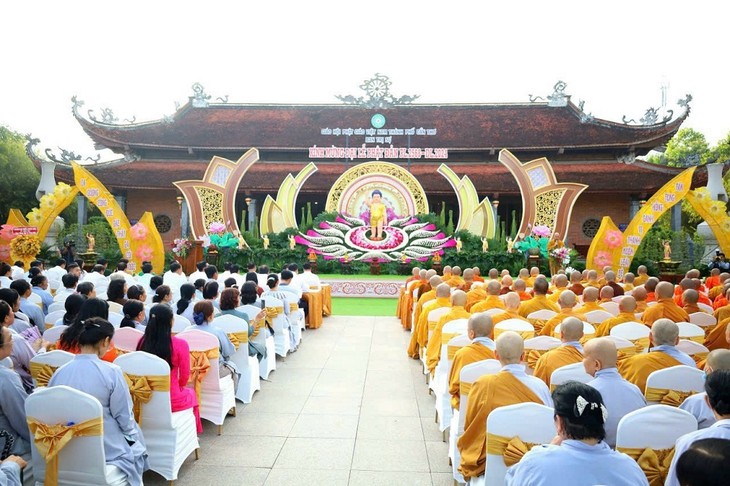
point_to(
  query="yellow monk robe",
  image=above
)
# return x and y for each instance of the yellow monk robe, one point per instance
(638, 367)
(413, 348)
(464, 356)
(641, 306)
(487, 393)
(641, 279)
(593, 283)
(530, 281)
(664, 308)
(604, 328)
(549, 328)
(556, 294)
(627, 287)
(422, 338)
(433, 349)
(503, 316)
(722, 313)
(554, 359)
(491, 302)
(691, 308)
(715, 291)
(538, 302)
(589, 307)
(455, 282)
(476, 294)
(407, 304)
(716, 337)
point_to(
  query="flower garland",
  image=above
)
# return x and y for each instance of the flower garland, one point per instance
(25, 247)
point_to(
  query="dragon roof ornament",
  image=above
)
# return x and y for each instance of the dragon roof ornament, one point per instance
(377, 89)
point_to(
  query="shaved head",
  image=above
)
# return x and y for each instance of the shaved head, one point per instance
(468, 274)
(664, 331)
(540, 286)
(690, 296)
(431, 273)
(493, 287)
(664, 290)
(629, 278)
(590, 294)
(512, 301)
(686, 283)
(610, 276)
(493, 273)
(651, 284)
(480, 324)
(435, 281)
(534, 271)
(443, 290)
(571, 329)
(694, 273)
(510, 347)
(606, 292)
(422, 274)
(715, 272)
(592, 275)
(627, 304)
(719, 359)
(519, 285)
(415, 271)
(641, 269)
(567, 299)
(456, 271)
(458, 298)
(576, 277)
(639, 293)
(524, 273)
(560, 281)
(602, 350)
(506, 281)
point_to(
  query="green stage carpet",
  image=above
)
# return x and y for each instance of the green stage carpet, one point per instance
(363, 306)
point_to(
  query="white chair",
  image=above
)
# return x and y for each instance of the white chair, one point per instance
(523, 328)
(280, 323)
(611, 308)
(635, 332)
(82, 460)
(598, 316)
(494, 311)
(443, 397)
(702, 319)
(180, 323)
(44, 365)
(589, 331)
(651, 304)
(656, 427)
(247, 365)
(536, 347)
(690, 331)
(53, 334)
(671, 386)
(54, 316)
(217, 396)
(53, 285)
(618, 298)
(531, 422)
(115, 307)
(115, 319)
(692, 348)
(296, 323)
(126, 339)
(705, 307)
(170, 437)
(468, 375)
(268, 364)
(571, 372)
(624, 347)
(36, 299)
(542, 314)
(57, 306)
(440, 382)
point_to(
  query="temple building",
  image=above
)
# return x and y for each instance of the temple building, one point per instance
(378, 126)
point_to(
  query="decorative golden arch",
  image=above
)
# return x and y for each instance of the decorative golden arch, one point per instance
(614, 248)
(474, 216)
(279, 214)
(714, 213)
(545, 201)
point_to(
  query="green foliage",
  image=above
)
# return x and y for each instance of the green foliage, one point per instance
(450, 226)
(687, 148)
(18, 176)
(513, 225)
(308, 223)
(442, 216)
(106, 243)
(651, 249)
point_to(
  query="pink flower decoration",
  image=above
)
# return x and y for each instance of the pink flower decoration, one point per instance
(216, 228)
(6, 233)
(613, 239)
(139, 231)
(602, 259)
(144, 253)
(4, 252)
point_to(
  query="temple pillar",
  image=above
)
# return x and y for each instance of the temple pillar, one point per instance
(82, 210)
(184, 219)
(676, 217)
(251, 214)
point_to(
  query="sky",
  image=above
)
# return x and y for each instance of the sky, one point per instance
(139, 58)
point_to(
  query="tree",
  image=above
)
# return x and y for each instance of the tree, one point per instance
(687, 148)
(18, 175)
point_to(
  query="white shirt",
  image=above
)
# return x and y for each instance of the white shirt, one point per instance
(5, 282)
(101, 282)
(619, 396)
(174, 281)
(312, 279)
(197, 275)
(299, 283)
(127, 277)
(696, 405)
(222, 277)
(718, 430)
(17, 273)
(55, 273)
(537, 386)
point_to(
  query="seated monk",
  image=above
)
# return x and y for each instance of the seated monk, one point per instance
(696, 404)
(639, 293)
(493, 274)
(689, 298)
(415, 273)
(521, 289)
(478, 275)
(642, 276)
(665, 308)
(593, 280)
(539, 301)
(605, 295)
(419, 318)
(695, 274)
(575, 285)
(720, 289)
(457, 281)
(534, 273)
(723, 312)
(619, 396)
(567, 303)
(512, 305)
(443, 294)
(602, 280)
(611, 282)
(690, 284)
(571, 351)
(627, 309)
(508, 387)
(504, 273)
(561, 284)
(433, 348)
(492, 301)
(482, 347)
(719, 336)
(524, 275)
(662, 354)
(713, 280)
(476, 294)
(650, 287)
(506, 285)
(468, 279)
(628, 284)
(590, 301)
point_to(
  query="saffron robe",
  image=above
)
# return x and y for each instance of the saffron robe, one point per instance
(433, 349)
(637, 368)
(413, 344)
(715, 339)
(719, 302)
(640, 306)
(712, 281)
(524, 296)
(722, 313)
(477, 294)
(604, 328)
(464, 356)
(491, 302)
(589, 307)
(537, 303)
(691, 308)
(487, 393)
(556, 294)
(577, 289)
(554, 359)
(641, 279)
(549, 328)
(664, 308)
(703, 299)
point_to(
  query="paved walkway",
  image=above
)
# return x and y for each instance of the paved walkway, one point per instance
(348, 408)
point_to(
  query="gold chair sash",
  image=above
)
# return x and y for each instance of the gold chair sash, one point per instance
(451, 351)
(666, 396)
(699, 359)
(538, 324)
(121, 351)
(432, 325)
(641, 344)
(237, 338)
(654, 463)
(272, 313)
(532, 355)
(141, 388)
(257, 325)
(51, 439)
(448, 336)
(293, 307)
(697, 339)
(199, 366)
(512, 449)
(49, 325)
(42, 373)
(52, 346)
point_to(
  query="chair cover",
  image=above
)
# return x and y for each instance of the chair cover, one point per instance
(523, 328)
(180, 323)
(217, 396)
(571, 372)
(263, 337)
(280, 324)
(705, 307)
(247, 365)
(589, 331)
(702, 319)
(635, 332)
(624, 347)
(115, 319)
(543, 314)
(170, 437)
(536, 347)
(494, 311)
(57, 306)
(671, 386)
(611, 307)
(53, 334)
(690, 331)
(598, 316)
(115, 307)
(440, 383)
(126, 339)
(44, 365)
(54, 316)
(81, 461)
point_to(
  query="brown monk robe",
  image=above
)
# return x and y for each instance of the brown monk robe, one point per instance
(567, 303)
(575, 286)
(637, 368)
(571, 332)
(719, 336)
(508, 387)
(611, 282)
(492, 300)
(433, 348)
(626, 307)
(539, 301)
(665, 308)
(480, 326)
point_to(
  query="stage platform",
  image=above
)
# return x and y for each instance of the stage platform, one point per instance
(352, 286)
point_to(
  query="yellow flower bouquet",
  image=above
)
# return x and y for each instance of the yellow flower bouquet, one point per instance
(25, 247)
